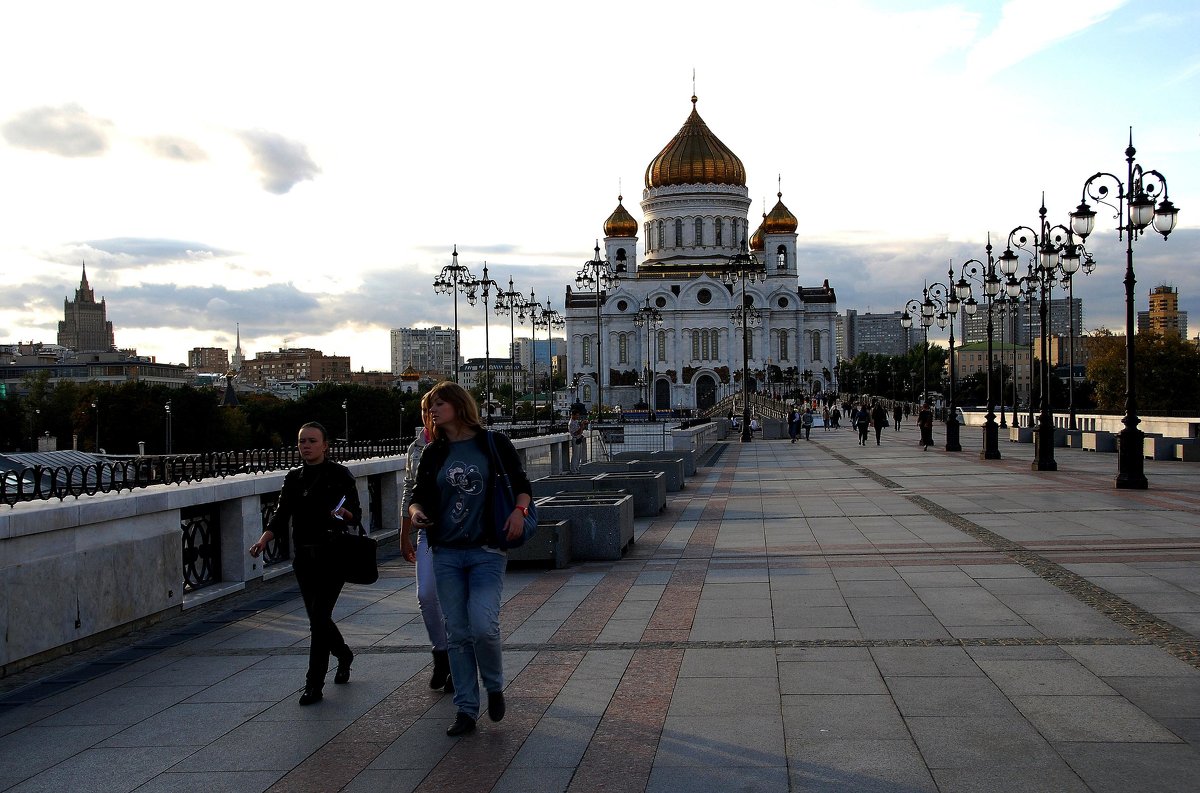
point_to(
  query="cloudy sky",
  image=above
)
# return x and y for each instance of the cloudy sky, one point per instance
(305, 168)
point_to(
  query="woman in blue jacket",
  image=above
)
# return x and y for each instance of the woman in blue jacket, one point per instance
(453, 502)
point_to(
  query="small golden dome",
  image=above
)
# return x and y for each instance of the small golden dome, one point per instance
(780, 220)
(620, 223)
(756, 239)
(695, 156)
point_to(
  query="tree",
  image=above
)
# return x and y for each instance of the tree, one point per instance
(1168, 371)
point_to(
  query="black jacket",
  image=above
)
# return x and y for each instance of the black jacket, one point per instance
(428, 493)
(307, 499)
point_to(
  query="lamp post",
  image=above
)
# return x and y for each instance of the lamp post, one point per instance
(510, 301)
(454, 278)
(346, 418)
(1135, 211)
(740, 267)
(939, 303)
(96, 408)
(651, 318)
(168, 438)
(598, 274)
(532, 310)
(1049, 243)
(484, 285)
(985, 275)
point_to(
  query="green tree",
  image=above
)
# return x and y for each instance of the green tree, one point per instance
(1168, 371)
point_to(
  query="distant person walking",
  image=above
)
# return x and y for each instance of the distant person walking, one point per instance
(807, 421)
(576, 428)
(925, 422)
(835, 417)
(862, 422)
(825, 418)
(897, 414)
(878, 419)
(793, 423)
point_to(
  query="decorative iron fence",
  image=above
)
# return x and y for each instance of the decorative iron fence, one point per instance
(279, 549)
(201, 546)
(43, 483)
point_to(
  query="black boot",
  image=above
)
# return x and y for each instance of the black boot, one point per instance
(441, 670)
(343, 668)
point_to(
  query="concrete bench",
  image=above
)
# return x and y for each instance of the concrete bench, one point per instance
(601, 524)
(1074, 439)
(1188, 451)
(563, 483)
(648, 488)
(551, 543)
(1099, 441)
(688, 456)
(1160, 448)
(1020, 434)
(672, 468)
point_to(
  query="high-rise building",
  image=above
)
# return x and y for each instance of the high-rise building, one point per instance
(1026, 324)
(424, 349)
(85, 326)
(1164, 315)
(524, 351)
(300, 363)
(878, 334)
(211, 360)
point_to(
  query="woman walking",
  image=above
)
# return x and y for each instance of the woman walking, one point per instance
(422, 556)
(878, 419)
(453, 502)
(319, 499)
(862, 422)
(925, 422)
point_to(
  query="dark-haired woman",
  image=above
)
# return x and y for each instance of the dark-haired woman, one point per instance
(320, 499)
(452, 501)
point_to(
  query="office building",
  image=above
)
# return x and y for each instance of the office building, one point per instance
(1164, 316)
(879, 334)
(424, 350)
(85, 326)
(210, 360)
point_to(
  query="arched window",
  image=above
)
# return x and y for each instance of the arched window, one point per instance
(720, 229)
(587, 393)
(662, 345)
(716, 351)
(587, 350)
(783, 345)
(781, 258)
(623, 348)
(816, 347)
(695, 345)
(704, 354)
(678, 233)
(662, 236)
(699, 231)
(750, 343)
(649, 236)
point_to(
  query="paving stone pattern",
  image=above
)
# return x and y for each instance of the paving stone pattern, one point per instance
(810, 616)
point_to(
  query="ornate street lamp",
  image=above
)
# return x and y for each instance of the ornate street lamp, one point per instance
(532, 310)
(1134, 203)
(511, 302)
(454, 278)
(598, 274)
(168, 438)
(939, 303)
(985, 275)
(346, 416)
(651, 318)
(484, 285)
(740, 267)
(96, 407)
(1048, 243)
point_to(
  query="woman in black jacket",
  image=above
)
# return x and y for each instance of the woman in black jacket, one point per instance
(453, 502)
(320, 499)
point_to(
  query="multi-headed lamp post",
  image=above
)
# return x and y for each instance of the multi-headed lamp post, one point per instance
(650, 318)
(510, 302)
(1135, 208)
(485, 285)
(549, 319)
(740, 267)
(599, 275)
(454, 278)
(939, 303)
(985, 275)
(1049, 244)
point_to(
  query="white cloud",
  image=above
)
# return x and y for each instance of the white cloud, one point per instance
(281, 163)
(67, 130)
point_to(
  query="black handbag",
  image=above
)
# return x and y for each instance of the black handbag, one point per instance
(504, 501)
(355, 555)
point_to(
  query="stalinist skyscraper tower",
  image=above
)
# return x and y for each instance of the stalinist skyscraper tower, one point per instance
(85, 326)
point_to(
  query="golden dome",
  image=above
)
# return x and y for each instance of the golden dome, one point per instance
(695, 156)
(620, 223)
(781, 220)
(756, 239)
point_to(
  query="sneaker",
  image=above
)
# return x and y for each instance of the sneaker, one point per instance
(462, 725)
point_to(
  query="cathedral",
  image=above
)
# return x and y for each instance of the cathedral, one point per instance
(695, 209)
(85, 326)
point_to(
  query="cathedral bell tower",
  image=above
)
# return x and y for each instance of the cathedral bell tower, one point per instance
(620, 239)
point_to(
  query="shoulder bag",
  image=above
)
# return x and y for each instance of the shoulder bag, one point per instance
(504, 501)
(355, 556)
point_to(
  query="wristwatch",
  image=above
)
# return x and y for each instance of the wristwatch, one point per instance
(524, 510)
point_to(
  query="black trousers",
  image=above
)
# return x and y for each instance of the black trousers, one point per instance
(320, 586)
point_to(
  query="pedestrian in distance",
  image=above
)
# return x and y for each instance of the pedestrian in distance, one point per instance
(421, 555)
(319, 499)
(825, 418)
(862, 422)
(897, 414)
(879, 419)
(793, 423)
(835, 417)
(577, 429)
(807, 422)
(454, 501)
(925, 422)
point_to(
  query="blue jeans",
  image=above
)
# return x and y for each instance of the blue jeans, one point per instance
(470, 582)
(427, 599)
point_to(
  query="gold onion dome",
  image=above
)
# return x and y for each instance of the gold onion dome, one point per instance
(695, 156)
(620, 223)
(756, 239)
(780, 220)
